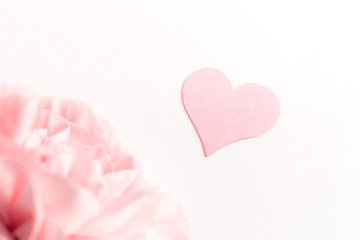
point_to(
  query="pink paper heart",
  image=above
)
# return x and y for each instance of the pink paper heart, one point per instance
(222, 115)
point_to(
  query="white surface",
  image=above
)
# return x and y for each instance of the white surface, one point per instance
(128, 60)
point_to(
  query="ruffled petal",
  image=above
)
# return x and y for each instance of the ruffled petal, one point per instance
(138, 213)
(17, 112)
(66, 204)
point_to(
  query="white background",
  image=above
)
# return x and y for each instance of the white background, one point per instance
(128, 60)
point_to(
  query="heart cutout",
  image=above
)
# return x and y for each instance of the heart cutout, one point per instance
(222, 115)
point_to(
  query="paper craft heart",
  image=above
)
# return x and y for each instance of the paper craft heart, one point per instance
(222, 115)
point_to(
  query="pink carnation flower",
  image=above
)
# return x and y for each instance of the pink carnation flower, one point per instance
(63, 175)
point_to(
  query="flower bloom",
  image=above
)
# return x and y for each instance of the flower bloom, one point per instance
(63, 175)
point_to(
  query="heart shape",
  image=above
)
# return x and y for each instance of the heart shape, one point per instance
(222, 115)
